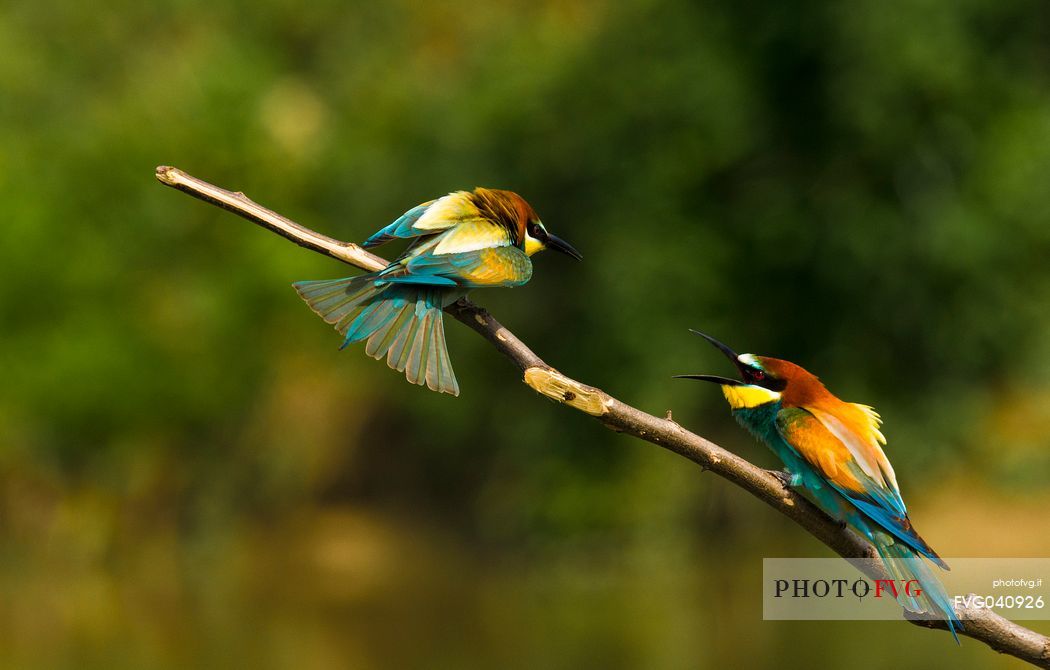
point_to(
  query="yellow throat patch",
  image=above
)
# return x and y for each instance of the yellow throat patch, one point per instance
(745, 397)
(532, 245)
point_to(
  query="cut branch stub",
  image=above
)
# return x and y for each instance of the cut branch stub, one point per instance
(557, 386)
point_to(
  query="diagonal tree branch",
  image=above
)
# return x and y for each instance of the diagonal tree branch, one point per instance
(997, 632)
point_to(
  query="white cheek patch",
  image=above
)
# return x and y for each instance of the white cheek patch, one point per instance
(749, 360)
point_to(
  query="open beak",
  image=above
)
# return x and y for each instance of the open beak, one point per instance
(558, 244)
(729, 353)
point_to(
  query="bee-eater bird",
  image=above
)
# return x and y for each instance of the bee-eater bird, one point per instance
(833, 449)
(462, 241)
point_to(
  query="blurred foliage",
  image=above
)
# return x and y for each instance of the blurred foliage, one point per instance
(857, 187)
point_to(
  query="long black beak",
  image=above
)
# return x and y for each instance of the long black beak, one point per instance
(558, 244)
(729, 353)
(724, 381)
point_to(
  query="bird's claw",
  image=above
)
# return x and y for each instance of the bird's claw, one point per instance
(787, 479)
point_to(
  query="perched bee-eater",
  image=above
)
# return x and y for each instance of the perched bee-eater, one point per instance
(833, 449)
(462, 241)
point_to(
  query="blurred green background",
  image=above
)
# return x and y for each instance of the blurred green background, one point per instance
(191, 474)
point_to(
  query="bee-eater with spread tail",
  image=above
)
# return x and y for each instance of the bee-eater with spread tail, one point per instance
(833, 449)
(462, 241)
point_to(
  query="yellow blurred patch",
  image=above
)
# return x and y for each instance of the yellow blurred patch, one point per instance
(294, 116)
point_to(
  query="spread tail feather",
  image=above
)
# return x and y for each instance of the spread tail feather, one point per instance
(404, 323)
(904, 564)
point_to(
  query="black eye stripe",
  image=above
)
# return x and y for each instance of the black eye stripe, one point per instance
(761, 378)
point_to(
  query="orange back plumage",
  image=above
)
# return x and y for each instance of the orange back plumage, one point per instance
(855, 425)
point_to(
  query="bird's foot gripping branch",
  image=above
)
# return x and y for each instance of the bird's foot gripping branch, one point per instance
(980, 624)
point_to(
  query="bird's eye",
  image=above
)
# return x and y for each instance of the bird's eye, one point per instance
(757, 375)
(534, 230)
